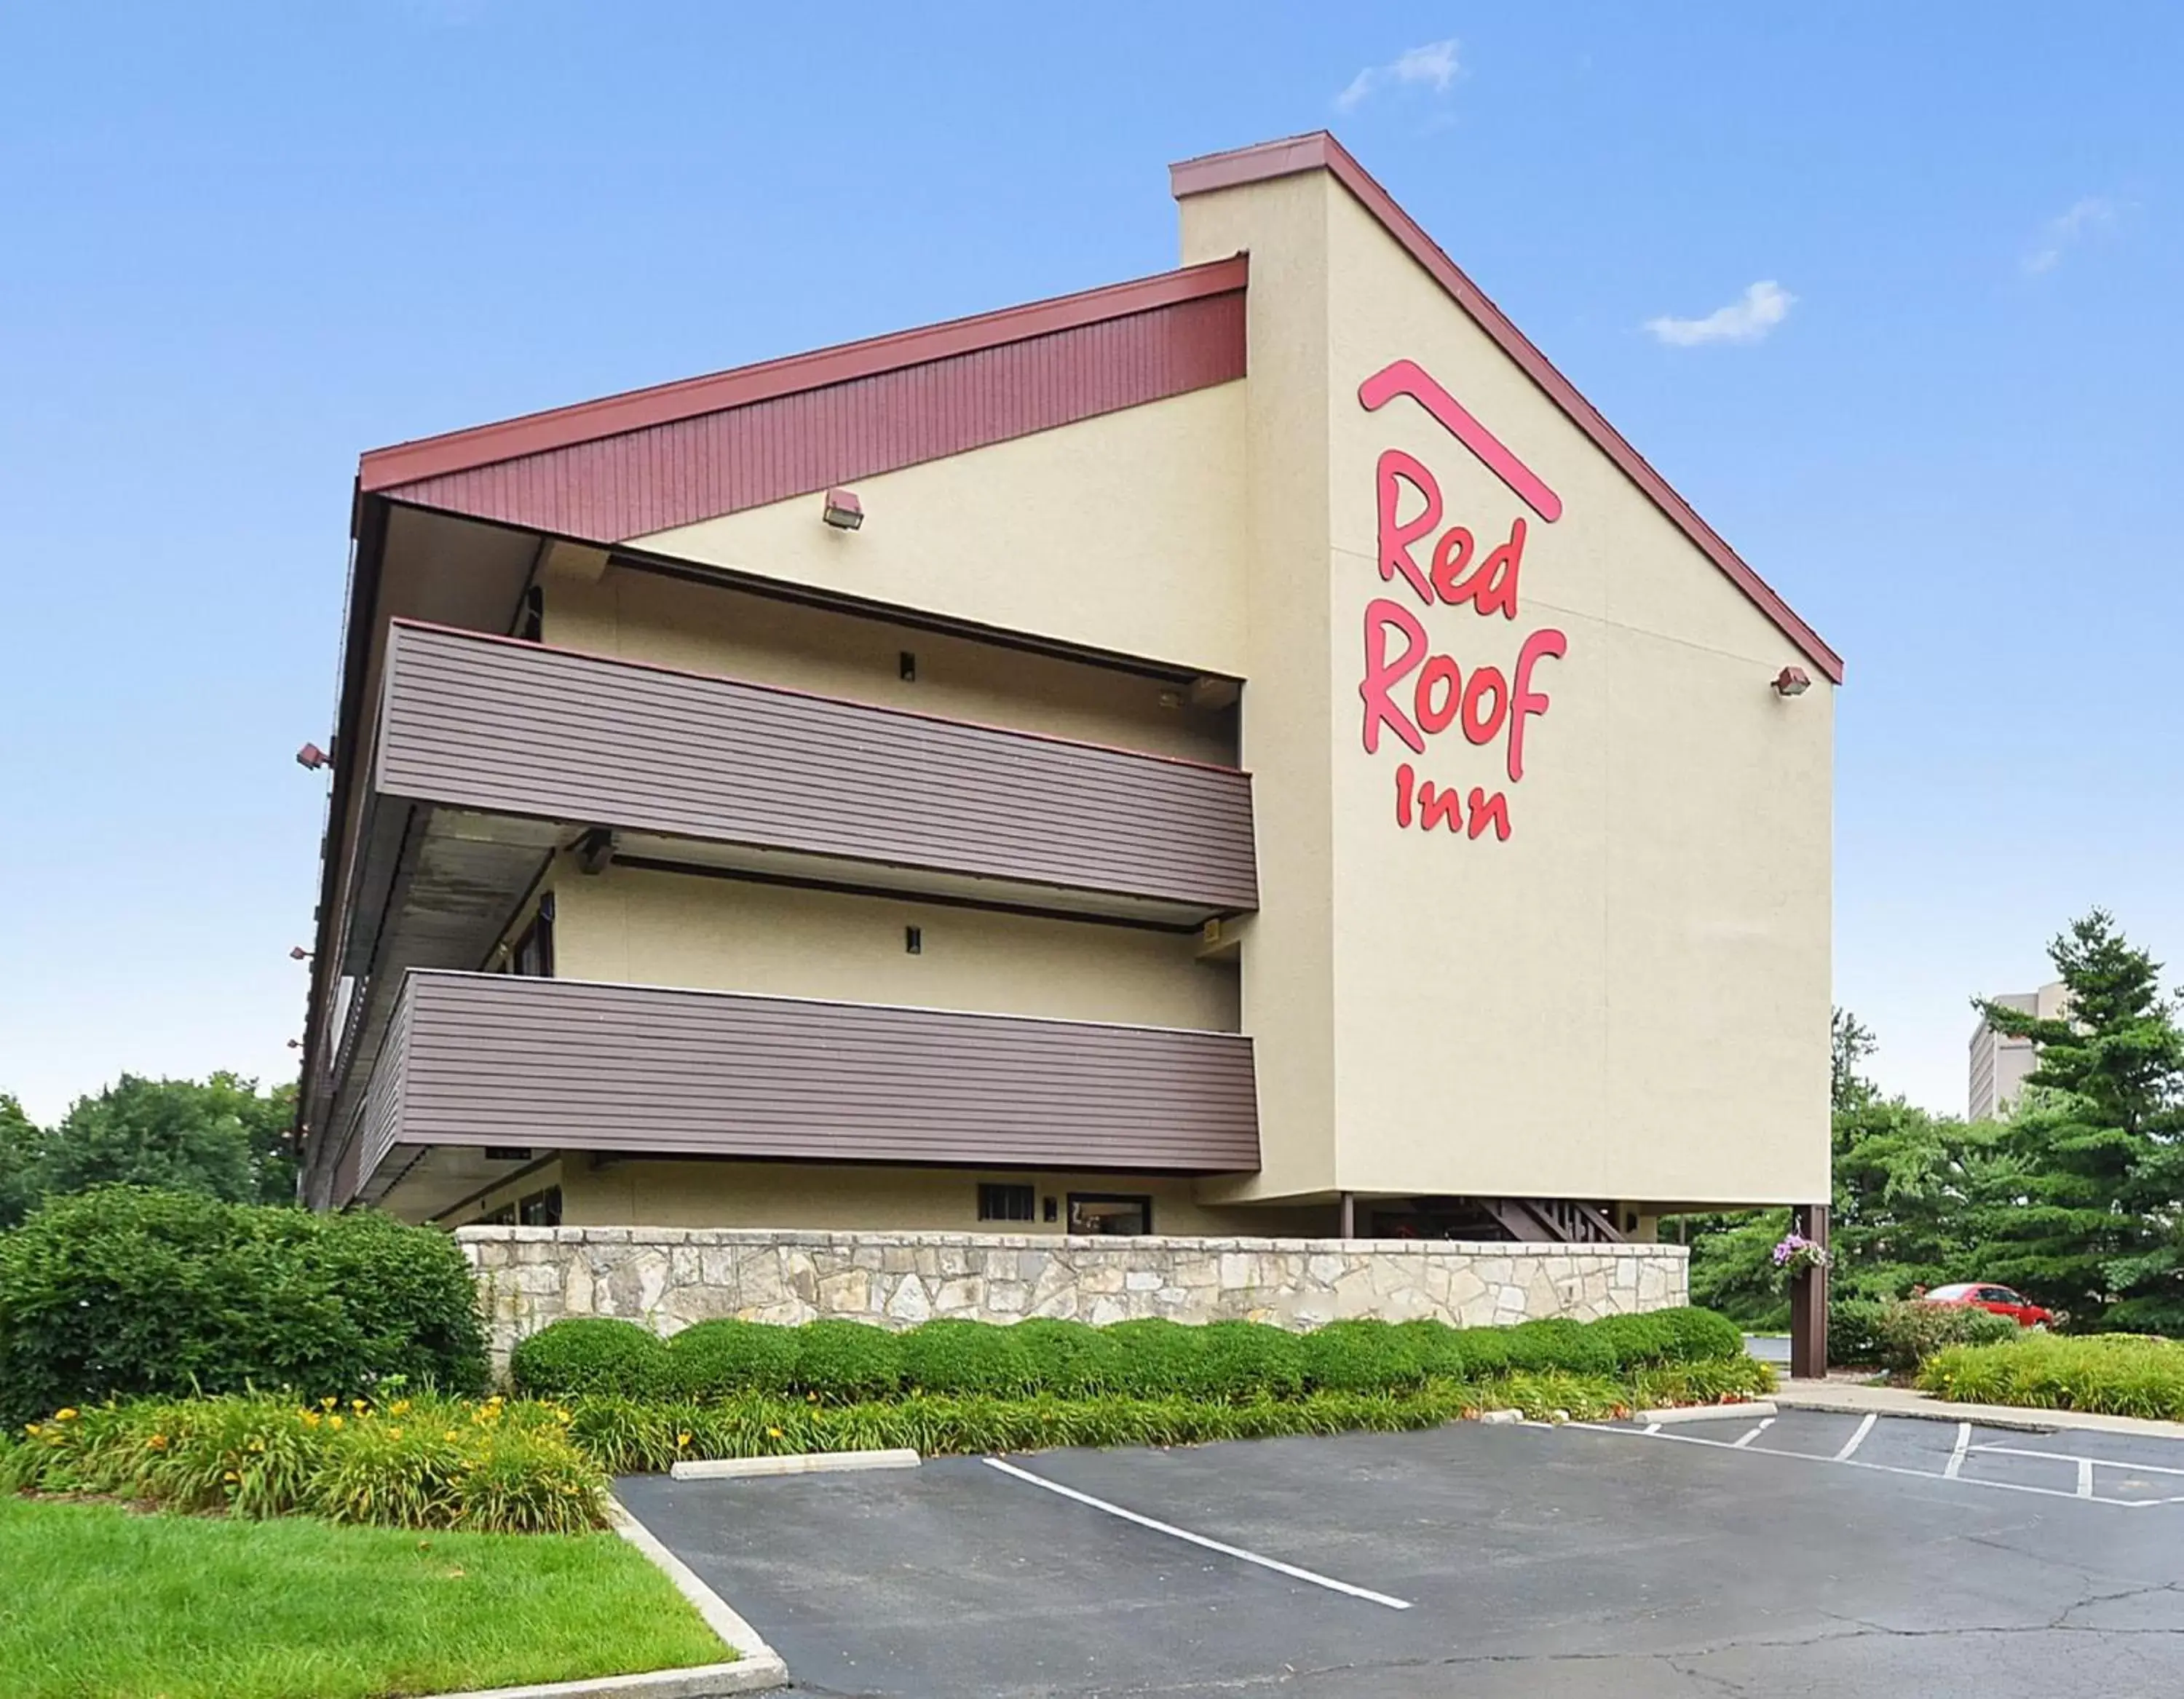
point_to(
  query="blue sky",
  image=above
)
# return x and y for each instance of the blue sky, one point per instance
(242, 244)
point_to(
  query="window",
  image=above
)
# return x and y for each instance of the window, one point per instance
(541, 1209)
(1005, 1203)
(1103, 1212)
(503, 1217)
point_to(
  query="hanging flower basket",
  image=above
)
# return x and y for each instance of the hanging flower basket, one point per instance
(1797, 1255)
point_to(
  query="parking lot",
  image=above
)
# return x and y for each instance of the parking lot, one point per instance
(1812, 1554)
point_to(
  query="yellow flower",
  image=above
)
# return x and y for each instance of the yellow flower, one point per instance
(773, 1433)
(312, 1418)
(357, 1405)
(328, 1403)
(32, 1429)
(395, 1432)
(333, 1421)
(681, 1440)
(64, 1415)
(158, 1442)
(257, 1444)
(232, 1476)
(452, 1435)
(400, 1407)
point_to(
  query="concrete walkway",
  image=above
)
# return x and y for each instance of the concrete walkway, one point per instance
(1850, 1398)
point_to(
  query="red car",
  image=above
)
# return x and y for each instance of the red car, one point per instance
(1978, 1296)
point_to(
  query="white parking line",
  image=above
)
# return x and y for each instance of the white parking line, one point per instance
(1858, 1439)
(2085, 1478)
(1886, 1468)
(1739, 1444)
(1226, 1550)
(2008, 1451)
(1957, 1451)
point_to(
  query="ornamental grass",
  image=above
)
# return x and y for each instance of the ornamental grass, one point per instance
(2111, 1374)
(425, 1462)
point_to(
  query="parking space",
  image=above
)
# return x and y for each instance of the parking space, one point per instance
(1813, 1555)
(2115, 1470)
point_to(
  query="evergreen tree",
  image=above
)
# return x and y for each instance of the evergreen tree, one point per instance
(22, 1150)
(2083, 1214)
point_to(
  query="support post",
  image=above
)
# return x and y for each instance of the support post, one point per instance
(1349, 1216)
(1808, 1301)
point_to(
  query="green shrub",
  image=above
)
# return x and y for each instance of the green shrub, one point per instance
(1437, 1347)
(1155, 1355)
(421, 1462)
(120, 1291)
(1236, 1361)
(1700, 1335)
(582, 1354)
(1571, 1347)
(1714, 1380)
(1909, 1333)
(1854, 1332)
(1361, 1356)
(1484, 1351)
(2114, 1375)
(974, 1357)
(844, 1363)
(712, 1359)
(1634, 1341)
(1072, 1360)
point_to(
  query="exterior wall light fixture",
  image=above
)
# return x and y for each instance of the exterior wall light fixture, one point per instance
(1792, 681)
(312, 756)
(298, 953)
(844, 511)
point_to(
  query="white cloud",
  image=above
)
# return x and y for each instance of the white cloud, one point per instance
(1746, 319)
(2093, 213)
(1434, 65)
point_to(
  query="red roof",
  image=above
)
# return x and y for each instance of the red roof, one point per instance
(1321, 152)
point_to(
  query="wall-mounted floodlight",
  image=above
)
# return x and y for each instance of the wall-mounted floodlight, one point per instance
(1792, 681)
(844, 511)
(312, 756)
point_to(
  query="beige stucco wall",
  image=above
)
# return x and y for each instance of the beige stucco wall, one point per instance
(1287, 960)
(844, 1195)
(1119, 533)
(708, 629)
(653, 929)
(1629, 997)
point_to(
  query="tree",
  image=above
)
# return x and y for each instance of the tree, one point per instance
(22, 1152)
(2086, 1216)
(221, 1138)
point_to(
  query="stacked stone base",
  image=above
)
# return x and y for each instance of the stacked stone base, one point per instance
(668, 1277)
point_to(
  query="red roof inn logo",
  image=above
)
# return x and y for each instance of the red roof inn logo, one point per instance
(1412, 692)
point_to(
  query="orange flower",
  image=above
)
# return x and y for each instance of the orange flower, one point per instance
(158, 1442)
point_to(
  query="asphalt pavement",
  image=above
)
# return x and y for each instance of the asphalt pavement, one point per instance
(1815, 1554)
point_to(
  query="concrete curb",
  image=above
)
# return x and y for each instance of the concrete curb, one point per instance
(1979, 1415)
(758, 1667)
(1501, 1416)
(796, 1463)
(1706, 1412)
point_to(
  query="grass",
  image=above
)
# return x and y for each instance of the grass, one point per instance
(2112, 1374)
(101, 1600)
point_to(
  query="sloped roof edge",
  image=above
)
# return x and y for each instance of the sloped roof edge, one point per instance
(635, 409)
(1320, 151)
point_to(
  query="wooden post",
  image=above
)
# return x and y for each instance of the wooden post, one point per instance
(1808, 1301)
(1349, 1216)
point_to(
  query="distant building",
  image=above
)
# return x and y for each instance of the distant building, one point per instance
(2000, 1063)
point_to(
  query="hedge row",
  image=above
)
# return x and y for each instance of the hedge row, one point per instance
(120, 1292)
(2116, 1375)
(848, 1362)
(629, 1436)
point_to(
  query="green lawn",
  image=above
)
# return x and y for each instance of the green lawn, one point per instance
(100, 1602)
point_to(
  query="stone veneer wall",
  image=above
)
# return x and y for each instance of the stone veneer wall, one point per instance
(668, 1277)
